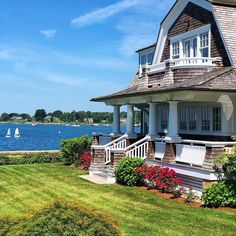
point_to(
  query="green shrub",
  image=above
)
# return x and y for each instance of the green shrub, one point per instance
(33, 158)
(60, 219)
(72, 149)
(125, 171)
(220, 194)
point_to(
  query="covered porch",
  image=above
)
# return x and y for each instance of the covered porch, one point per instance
(184, 129)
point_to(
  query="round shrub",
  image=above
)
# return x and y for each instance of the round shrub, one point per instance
(125, 171)
(72, 149)
(61, 219)
(219, 195)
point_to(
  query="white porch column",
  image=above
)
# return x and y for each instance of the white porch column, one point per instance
(152, 120)
(116, 120)
(130, 121)
(173, 121)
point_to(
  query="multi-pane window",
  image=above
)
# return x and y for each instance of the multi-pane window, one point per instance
(188, 118)
(204, 44)
(192, 118)
(143, 59)
(191, 45)
(187, 47)
(150, 57)
(216, 119)
(146, 58)
(195, 54)
(164, 117)
(175, 50)
(206, 119)
(211, 119)
(183, 118)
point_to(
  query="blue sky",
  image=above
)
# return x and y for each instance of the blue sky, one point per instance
(57, 54)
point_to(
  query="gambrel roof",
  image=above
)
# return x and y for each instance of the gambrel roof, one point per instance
(226, 17)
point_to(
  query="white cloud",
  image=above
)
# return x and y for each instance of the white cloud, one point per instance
(103, 13)
(49, 33)
(141, 28)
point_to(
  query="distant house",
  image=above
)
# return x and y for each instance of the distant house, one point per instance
(88, 120)
(185, 88)
(48, 118)
(123, 120)
(16, 118)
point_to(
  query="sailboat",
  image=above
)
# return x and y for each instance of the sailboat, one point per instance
(8, 135)
(17, 133)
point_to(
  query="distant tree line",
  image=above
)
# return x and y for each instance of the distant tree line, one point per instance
(41, 115)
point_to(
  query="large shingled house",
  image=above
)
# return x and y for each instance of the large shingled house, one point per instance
(185, 88)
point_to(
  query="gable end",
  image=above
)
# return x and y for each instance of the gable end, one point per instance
(191, 18)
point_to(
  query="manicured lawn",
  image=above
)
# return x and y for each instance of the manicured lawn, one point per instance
(28, 187)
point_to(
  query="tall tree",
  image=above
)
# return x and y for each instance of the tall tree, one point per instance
(57, 114)
(5, 117)
(40, 114)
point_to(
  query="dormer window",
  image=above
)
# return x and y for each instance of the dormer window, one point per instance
(191, 45)
(146, 58)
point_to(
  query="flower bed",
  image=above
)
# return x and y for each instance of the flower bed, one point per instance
(159, 177)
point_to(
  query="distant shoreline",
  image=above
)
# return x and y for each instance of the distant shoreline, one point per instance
(51, 123)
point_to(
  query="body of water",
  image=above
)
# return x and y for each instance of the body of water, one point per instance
(44, 137)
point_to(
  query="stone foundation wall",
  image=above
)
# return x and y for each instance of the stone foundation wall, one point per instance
(98, 160)
(151, 150)
(211, 154)
(170, 153)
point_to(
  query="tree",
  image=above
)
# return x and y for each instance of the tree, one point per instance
(5, 117)
(40, 114)
(25, 116)
(57, 114)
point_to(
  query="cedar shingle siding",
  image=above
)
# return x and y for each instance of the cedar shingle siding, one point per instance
(191, 18)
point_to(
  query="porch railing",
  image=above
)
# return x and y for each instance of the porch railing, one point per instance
(119, 143)
(138, 149)
(193, 155)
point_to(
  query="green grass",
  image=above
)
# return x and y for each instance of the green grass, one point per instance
(26, 188)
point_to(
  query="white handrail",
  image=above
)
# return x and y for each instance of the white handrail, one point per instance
(137, 143)
(116, 140)
(138, 151)
(119, 143)
(207, 142)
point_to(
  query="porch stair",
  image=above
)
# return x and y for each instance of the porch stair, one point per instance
(106, 174)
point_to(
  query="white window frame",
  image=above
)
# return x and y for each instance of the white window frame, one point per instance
(199, 118)
(176, 50)
(191, 35)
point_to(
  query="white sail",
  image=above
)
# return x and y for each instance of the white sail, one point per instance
(8, 135)
(17, 133)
